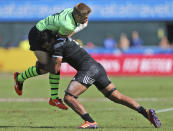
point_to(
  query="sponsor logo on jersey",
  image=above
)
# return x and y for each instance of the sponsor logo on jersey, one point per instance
(88, 80)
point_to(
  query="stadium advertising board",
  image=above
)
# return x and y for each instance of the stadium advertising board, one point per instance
(29, 10)
(131, 65)
(116, 65)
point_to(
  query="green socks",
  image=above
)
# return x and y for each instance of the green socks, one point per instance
(54, 84)
(30, 72)
(53, 79)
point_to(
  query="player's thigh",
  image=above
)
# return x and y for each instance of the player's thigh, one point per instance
(76, 88)
(42, 57)
(101, 80)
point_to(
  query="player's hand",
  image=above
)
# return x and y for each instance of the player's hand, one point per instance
(61, 36)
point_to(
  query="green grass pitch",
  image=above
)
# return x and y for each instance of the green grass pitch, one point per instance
(31, 112)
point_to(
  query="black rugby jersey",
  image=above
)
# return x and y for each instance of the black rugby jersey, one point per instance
(72, 53)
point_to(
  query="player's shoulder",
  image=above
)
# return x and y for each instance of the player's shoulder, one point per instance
(66, 12)
(67, 19)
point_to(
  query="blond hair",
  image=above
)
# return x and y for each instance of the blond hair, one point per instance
(81, 9)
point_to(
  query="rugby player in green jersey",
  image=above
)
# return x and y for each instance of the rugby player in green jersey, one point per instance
(57, 26)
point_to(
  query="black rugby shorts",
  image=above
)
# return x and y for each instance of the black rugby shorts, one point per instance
(95, 74)
(35, 40)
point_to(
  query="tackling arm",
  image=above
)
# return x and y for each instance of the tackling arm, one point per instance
(79, 28)
(57, 64)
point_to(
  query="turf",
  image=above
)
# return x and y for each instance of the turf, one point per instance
(151, 92)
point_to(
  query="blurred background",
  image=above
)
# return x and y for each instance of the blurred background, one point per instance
(128, 37)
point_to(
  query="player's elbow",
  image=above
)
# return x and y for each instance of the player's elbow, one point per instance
(57, 65)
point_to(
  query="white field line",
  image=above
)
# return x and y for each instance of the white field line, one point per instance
(86, 100)
(23, 99)
(80, 99)
(164, 110)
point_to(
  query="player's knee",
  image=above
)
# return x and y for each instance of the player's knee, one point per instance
(44, 68)
(41, 67)
(68, 98)
(43, 71)
(109, 93)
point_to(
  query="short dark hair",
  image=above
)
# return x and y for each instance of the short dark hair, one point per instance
(81, 9)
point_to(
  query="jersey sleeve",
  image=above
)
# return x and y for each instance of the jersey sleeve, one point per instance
(80, 27)
(58, 48)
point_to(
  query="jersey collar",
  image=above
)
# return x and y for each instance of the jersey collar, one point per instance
(74, 19)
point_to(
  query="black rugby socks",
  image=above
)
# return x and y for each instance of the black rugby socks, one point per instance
(86, 117)
(142, 110)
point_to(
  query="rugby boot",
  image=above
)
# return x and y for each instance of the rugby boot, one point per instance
(88, 125)
(59, 103)
(18, 85)
(152, 117)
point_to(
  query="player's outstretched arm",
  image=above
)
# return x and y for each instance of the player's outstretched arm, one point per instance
(58, 62)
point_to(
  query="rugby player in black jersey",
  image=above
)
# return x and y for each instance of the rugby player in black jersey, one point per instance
(91, 72)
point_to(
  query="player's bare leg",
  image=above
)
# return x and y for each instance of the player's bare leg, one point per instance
(46, 63)
(111, 93)
(73, 91)
(117, 97)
